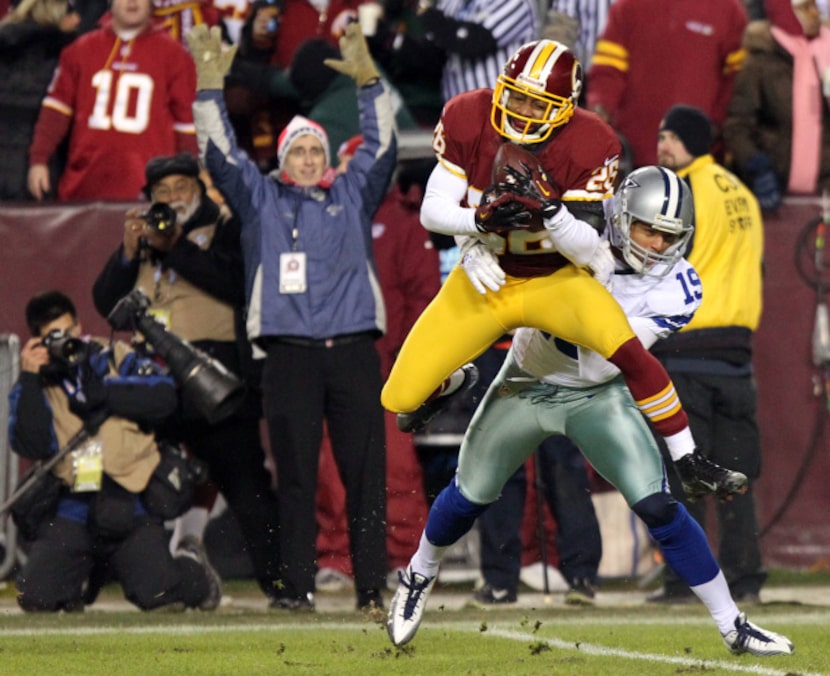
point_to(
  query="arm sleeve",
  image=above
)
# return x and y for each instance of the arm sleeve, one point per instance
(217, 270)
(574, 238)
(30, 423)
(370, 170)
(51, 128)
(441, 210)
(609, 65)
(233, 173)
(141, 391)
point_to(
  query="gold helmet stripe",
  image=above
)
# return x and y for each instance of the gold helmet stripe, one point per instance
(541, 62)
(539, 59)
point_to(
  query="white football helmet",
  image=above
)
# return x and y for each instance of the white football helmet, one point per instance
(659, 198)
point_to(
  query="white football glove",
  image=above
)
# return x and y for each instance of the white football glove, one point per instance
(602, 264)
(482, 268)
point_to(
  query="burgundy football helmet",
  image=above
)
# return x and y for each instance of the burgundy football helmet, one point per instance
(546, 76)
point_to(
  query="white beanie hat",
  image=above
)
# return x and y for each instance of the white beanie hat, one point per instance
(300, 126)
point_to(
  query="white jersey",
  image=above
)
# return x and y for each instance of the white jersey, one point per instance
(655, 307)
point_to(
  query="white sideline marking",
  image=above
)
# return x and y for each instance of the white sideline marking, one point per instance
(821, 616)
(466, 627)
(602, 651)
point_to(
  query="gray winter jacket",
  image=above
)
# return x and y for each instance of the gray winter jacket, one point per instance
(333, 226)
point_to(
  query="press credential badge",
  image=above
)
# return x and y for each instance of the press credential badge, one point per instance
(293, 272)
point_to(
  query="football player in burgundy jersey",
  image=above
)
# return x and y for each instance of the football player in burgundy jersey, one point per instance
(540, 280)
(123, 94)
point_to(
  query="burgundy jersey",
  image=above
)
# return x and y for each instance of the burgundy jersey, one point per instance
(128, 102)
(582, 160)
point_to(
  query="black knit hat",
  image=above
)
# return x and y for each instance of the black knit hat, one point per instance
(692, 126)
(160, 167)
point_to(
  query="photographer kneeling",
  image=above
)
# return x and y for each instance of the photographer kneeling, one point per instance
(94, 519)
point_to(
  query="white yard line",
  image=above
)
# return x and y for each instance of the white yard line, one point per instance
(467, 627)
(591, 649)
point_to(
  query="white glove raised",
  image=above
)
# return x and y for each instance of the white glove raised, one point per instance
(483, 269)
(602, 264)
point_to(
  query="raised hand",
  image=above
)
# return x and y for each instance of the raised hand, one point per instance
(357, 62)
(213, 59)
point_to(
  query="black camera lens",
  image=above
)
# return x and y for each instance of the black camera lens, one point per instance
(161, 217)
(64, 348)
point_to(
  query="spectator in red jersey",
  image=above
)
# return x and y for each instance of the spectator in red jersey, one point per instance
(654, 54)
(123, 95)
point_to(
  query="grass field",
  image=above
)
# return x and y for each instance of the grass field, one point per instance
(626, 639)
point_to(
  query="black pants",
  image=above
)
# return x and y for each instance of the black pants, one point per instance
(721, 412)
(64, 552)
(303, 387)
(236, 460)
(568, 496)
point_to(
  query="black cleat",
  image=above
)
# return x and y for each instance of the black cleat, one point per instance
(700, 477)
(420, 417)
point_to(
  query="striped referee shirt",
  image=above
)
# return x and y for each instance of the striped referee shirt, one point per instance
(511, 22)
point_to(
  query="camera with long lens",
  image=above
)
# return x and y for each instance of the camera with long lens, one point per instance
(161, 217)
(207, 387)
(64, 349)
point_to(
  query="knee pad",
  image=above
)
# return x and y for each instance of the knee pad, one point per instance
(657, 509)
(451, 516)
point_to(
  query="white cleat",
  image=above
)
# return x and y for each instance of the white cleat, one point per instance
(407, 607)
(750, 638)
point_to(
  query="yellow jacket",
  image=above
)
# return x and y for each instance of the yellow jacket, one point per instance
(728, 247)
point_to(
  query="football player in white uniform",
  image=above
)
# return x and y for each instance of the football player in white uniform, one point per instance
(548, 386)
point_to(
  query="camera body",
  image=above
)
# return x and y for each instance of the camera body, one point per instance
(161, 217)
(64, 349)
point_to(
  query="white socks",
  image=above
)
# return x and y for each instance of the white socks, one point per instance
(427, 559)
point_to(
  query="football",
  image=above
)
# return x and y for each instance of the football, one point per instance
(523, 161)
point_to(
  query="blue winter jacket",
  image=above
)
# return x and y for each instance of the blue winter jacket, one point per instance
(333, 225)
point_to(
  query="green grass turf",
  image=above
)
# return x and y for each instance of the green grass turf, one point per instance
(639, 641)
